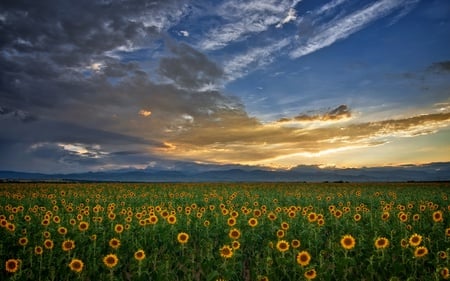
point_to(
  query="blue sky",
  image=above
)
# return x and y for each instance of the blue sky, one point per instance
(98, 85)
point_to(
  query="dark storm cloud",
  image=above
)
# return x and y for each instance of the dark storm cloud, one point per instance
(60, 66)
(9, 113)
(189, 68)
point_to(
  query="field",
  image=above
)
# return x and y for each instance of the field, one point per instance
(233, 231)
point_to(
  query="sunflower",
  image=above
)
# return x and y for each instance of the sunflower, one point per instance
(110, 260)
(348, 242)
(83, 226)
(114, 243)
(23, 241)
(12, 265)
(445, 273)
(263, 278)
(206, 223)
(357, 217)
(234, 233)
(303, 258)
(320, 222)
(253, 222)
(182, 237)
(404, 243)
(271, 216)
(381, 243)
(118, 228)
(231, 221)
(312, 217)
(282, 246)
(48, 244)
(139, 255)
(284, 225)
(68, 245)
(295, 243)
(420, 251)
(310, 274)
(385, 216)
(56, 219)
(38, 250)
(171, 219)
(280, 233)
(438, 216)
(226, 252)
(62, 230)
(403, 217)
(442, 255)
(76, 265)
(235, 245)
(415, 240)
(447, 232)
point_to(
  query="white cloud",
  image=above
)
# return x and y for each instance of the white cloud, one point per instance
(244, 19)
(292, 15)
(184, 33)
(237, 66)
(343, 27)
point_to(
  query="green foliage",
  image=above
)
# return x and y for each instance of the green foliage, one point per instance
(318, 215)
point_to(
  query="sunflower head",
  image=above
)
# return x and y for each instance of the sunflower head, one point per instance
(68, 245)
(381, 243)
(118, 228)
(231, 221)
(114, 243)
(235, 245)
(310, 274)
(139, 255)
(303, 258)
(348, 242)
(12, 265)
(38, 250)
(438, 216)
(234, 233)
(226, 252)
(83, 226)
(76, 265)
(172, 219)
(183, 237)
(415, 240)
(253, 222)
(295, 243)
(445, 273)
(282, 245)
(420, 251)
(110, 260)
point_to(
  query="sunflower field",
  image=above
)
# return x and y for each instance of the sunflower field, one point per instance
(224, 231)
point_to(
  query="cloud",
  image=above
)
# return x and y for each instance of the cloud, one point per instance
(9, 113)
(145, 113)
(244, 140)
(343, 27)
(189, 68)
(338, 113)
(243, 19)
(440, 67)
(252, 59)
(292, 15)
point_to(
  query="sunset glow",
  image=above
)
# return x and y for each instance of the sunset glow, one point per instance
(269, 83)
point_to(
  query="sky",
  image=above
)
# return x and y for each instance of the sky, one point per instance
(95, 85)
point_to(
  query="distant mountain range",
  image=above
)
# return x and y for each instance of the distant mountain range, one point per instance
(231, 173)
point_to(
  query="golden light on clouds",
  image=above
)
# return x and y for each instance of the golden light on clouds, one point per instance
(145, 113)
(280, 146)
